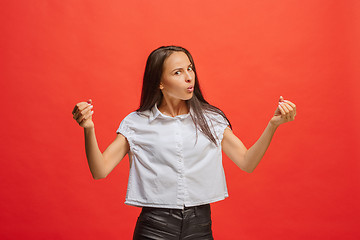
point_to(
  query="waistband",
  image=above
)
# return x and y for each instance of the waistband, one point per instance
(171, 211)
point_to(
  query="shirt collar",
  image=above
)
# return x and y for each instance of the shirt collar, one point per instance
(155, 113)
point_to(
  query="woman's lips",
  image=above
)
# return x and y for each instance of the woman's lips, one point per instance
(190, 89)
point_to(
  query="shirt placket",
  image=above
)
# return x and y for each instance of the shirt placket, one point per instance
(181, 196)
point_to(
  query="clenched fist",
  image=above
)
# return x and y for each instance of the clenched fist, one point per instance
(285, 112)
(82, 113)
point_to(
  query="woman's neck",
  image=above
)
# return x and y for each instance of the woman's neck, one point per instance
(173, 108)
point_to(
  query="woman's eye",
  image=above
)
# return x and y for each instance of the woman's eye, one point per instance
(177, 73)
(190, 69)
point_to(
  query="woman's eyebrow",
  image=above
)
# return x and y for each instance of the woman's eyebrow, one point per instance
(177, 69)
(190, 65)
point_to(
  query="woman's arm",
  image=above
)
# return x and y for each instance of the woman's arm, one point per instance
(248, 159)
(100, 164)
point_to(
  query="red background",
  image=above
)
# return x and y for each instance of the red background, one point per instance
(248, 53)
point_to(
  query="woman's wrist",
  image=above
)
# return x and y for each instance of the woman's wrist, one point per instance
(89, 129)
(273, 124)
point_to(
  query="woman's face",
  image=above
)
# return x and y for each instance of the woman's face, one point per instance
(178, 77)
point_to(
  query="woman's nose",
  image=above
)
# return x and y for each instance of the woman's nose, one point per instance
(189, 77)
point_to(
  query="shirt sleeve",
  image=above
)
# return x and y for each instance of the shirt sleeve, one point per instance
(124, 128)
(218, 124)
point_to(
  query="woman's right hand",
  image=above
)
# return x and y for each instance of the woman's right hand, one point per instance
(82, 113)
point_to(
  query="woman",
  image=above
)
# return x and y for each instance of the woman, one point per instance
(174, 141)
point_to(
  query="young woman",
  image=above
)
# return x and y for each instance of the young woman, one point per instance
(174, 142)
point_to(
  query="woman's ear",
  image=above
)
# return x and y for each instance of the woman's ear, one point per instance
(161, 86)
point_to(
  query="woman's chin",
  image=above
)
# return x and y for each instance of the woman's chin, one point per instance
(189, 96)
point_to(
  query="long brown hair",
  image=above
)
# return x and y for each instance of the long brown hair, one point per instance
(151, 93)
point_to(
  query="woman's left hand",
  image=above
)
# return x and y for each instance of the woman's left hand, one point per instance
(285, 112)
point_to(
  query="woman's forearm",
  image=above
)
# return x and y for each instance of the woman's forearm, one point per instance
(254, 154)
(100, 164)
(93, 154)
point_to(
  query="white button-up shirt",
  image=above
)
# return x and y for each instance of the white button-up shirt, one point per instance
(171, 167)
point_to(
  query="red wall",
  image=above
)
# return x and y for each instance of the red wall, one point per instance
(248, 53)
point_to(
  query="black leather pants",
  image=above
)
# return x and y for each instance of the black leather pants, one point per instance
(170, 224)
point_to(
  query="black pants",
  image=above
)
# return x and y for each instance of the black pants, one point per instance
(170, 224)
